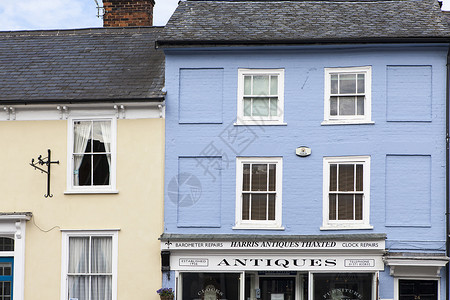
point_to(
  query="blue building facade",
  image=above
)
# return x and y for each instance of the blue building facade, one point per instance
(304, 170)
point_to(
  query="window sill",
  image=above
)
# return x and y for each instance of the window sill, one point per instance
(346, 227)
(257, 227)
(81, 192)
(347, 122)
(259, 123)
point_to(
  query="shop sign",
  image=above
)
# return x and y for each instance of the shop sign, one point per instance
(269, 263)
(274, 245)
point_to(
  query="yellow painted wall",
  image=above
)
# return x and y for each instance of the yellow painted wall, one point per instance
(137, 210)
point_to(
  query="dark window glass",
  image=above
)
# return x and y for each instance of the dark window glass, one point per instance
(348, 286)
(210, 286)
(6, 244)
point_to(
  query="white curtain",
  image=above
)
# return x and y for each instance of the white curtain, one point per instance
(82, 132)
(106, 137)
(101, 262)
(78, 263)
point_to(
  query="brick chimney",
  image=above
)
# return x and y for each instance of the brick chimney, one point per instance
(126, 13)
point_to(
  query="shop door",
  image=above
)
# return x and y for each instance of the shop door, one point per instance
(277, 288)
(418, 289)
(6, 278)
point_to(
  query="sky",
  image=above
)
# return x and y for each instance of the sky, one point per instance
(64, 14)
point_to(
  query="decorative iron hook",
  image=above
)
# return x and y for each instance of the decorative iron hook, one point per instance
(41, 162)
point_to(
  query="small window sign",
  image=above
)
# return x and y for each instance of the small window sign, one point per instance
(303, 151)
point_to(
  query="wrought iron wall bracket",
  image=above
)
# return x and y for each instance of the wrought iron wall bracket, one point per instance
(39, 165)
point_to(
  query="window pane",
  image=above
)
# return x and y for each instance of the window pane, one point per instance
(273, 85)
(245, 206)
(101, 136)
(346, 106)
(272, 177)
(333, 177)
(206, 285)
(79, 287)
(101, 169)
(359, 177)
(333, 106)
(6, 244)
(259, 177)
(247, 107)
(247, 85)
(260, 107)
(273, 107)
(261, 85)
(361, 83)
(101, 288)
(346, 177)
(259, 206)
(82, 134)
(358, 206)
(101, 249)
(246, 177)
(345, 207)
(272, 198)
(334, 84)
(7, 288)
(347, 83)
(82, 174)
(360, 105)
(332, 205)
(342, 286)
(78, 255)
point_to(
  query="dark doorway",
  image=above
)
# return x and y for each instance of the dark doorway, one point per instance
(277, 288)
(418, 289)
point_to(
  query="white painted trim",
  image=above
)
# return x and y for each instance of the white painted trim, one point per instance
(351, 224)
(249, 224)
(241, 119)
(110, 189)
(335, 120)
(14, 226)
(65, 256)
(40, 112)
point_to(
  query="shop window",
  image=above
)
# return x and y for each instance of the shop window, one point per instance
(347, 95)
(258, 192)
(260, 96)
(351, 286)
(346, 192)
(210, 286)
(92, 156)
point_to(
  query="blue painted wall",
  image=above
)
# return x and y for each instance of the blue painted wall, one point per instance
(406, 142)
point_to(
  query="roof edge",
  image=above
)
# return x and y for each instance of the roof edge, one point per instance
(79, 101)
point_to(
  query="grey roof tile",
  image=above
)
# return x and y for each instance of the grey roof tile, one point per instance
(258, 21)
(81, 65)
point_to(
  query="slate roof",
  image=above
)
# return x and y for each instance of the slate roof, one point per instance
(303, 21)
(86, 65)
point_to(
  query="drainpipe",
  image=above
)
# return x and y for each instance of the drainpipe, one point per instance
(447, 169)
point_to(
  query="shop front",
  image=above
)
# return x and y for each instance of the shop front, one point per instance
(209, 267)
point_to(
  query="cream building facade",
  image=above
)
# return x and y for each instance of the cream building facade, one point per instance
(93, 99)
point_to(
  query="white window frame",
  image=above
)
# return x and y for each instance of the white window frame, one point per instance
(259, 224)
(66, 234)
(354, 119)
(346, 224)
(269, 120)
(71, 188)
